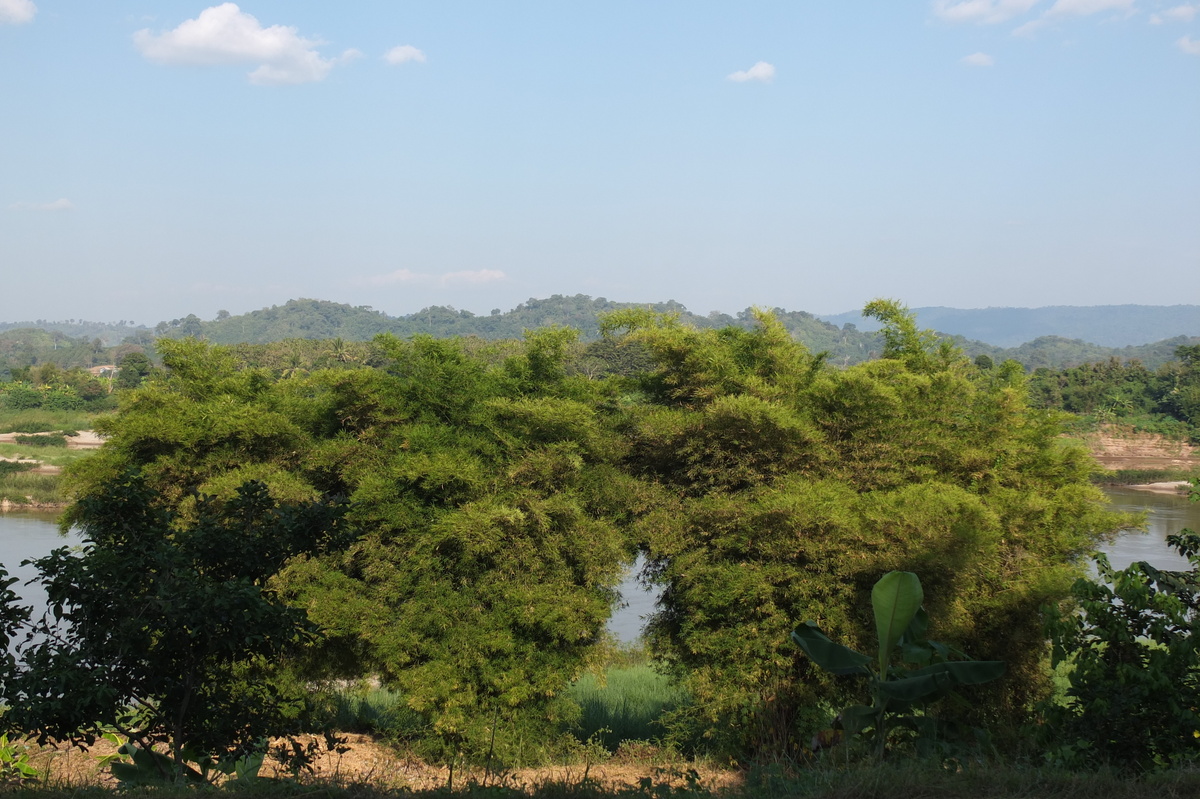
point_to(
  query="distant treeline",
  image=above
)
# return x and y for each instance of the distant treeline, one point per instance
(83, 344)
(1106, 325)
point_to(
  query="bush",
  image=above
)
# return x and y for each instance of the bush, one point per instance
(21, 396)
(43, 440)
(11, 467)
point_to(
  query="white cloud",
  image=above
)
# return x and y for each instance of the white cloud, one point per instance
(762, 71)
(978, 60)
(1083, 8)
(986, 11)
(1188, 46)
(472, 277)
(224, 35)
(16, 12)
(403, 54)
(58, 205)
(1183, 13)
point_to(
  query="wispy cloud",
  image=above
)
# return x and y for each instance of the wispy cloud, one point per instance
(978, 60)
(468, 277)
(17, 12)
(1084, 8)
(1183, 13)
(62, 204)
(1063, 9)
(224, 35)
(1187, 45)
(762, 72)
(988, 12)
(403, 54)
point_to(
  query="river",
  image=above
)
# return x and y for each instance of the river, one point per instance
(31, 535)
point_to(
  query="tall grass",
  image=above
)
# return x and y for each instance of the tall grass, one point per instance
(1141, 476)
(27, 487)
(628, 705)
(375, 711)
(42, 420)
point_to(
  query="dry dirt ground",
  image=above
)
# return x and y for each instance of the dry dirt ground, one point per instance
(1117, 447)
(368, 761)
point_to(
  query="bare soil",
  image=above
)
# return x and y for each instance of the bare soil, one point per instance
(1116, 447)
(367, 761)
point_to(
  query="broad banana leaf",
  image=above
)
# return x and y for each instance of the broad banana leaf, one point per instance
(857, 718)
(825, 653)
(926, 683)
(896, 598)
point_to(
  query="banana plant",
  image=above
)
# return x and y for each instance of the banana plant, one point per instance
(924, 671)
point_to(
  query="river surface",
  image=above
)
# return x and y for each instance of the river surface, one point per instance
(32, 535)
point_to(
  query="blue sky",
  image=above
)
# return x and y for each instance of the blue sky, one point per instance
(164, 158)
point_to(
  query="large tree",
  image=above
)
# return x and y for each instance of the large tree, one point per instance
(165, 630)
(485, 502)
(794, 486)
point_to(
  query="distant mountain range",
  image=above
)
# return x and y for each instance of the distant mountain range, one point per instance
(1053, 336)
(1106, 325)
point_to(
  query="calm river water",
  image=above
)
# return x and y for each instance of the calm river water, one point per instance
(31, 535)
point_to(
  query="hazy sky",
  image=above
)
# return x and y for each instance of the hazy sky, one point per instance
(160, 158)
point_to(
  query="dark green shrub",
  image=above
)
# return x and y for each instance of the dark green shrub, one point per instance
(1129, 654)
(43, 440)
(10, 467)
(21, 396)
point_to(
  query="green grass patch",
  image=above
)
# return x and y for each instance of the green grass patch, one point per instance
(1140, 476)
(26, 487)
(628, 705)
(41, 420)
(42, 440)
(51, 456)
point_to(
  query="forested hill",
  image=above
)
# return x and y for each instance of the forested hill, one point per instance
(108, 333)
(849, 341)
(319, 319)
(1105, 325)
(78, 343)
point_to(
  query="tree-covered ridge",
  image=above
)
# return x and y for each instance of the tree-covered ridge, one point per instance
(844, 345)
(496, 492)
(109, 333)
(317, 319)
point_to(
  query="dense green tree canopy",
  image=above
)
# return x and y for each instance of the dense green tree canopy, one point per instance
(485, 500)
(497, 492)
(793, 487)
